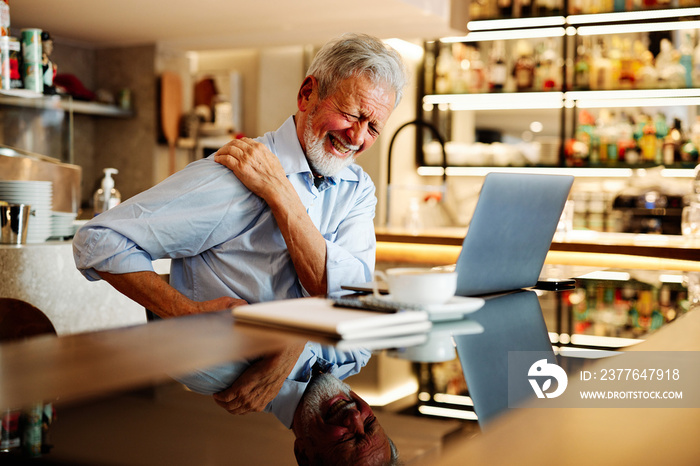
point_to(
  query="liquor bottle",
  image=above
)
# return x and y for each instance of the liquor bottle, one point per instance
(525, 9)
(524, 67)
(478, 81)
(625, 141)
(460, 72)
(443, 71)
(614, 54)
(601, 69)
(664, 62)
(498, 70)
(678, 139)
(548, 70)
(429, 70)
(696, 66)
(648, 77)
(686, 58)
(582, 67)
(505, 8)
(661, 133)
(627, 74)
(647, 142)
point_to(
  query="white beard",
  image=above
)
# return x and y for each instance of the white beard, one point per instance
(322, 388)
(321, 162)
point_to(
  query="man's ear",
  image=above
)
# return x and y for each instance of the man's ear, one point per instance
(300, 453)
(308, 88)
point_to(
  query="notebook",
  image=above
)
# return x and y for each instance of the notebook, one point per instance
(510, 233)
(320, 316)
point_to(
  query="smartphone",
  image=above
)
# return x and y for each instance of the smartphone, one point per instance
(556, 284)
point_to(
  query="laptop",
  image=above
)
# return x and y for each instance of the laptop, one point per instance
(510, 233)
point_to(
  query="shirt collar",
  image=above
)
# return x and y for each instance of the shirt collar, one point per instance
(293, 159)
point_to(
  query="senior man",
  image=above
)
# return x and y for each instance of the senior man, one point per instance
(292, 216)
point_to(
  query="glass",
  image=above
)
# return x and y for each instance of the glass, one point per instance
(690, 221)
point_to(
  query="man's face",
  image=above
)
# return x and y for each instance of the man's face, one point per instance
(335, 130)
(335, 424)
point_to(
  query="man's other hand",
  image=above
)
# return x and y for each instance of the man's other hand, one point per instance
(219, 304)
(260, 383)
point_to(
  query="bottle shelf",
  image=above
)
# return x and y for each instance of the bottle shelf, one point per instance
(29, 99)
(599, 171)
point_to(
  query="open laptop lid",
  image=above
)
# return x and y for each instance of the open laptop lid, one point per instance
(511, 231)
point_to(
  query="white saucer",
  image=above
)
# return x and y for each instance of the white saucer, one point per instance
(453, 309)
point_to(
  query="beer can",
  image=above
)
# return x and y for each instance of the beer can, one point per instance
(4, 18)
(31, 45)
(9, 425)
(31, 438)
(9, 63)
(33, 77)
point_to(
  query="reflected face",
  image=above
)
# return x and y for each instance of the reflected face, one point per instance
(335, 130)
(335, 424)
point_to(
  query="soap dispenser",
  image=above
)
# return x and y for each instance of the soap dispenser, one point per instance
(107, 196)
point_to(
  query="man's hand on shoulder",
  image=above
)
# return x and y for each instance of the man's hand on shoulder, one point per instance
(253, 163)
(260, 383)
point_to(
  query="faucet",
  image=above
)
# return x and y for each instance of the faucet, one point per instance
(440, 139)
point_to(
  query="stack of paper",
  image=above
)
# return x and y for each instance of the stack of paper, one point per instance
(319, 315)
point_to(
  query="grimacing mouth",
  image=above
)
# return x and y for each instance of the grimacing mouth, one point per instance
(339, 145)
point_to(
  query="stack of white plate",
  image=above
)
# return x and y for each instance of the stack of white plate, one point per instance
(39, 195)
(62, 224)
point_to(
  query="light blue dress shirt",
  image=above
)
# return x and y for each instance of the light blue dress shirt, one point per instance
(224, 241)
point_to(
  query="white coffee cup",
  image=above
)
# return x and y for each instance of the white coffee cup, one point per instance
(418, 285)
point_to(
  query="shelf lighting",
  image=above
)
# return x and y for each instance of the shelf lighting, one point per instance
(678, 173)
(669, 278)
(578, 172)
(606, 275)
(505, 101)
(603, 342)
(632, 16)
(481, 36)
(633, 103)
(632, 98)
(461, 400)
(515, 23)
(633, 94)
(447, 412)
(637, 27)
